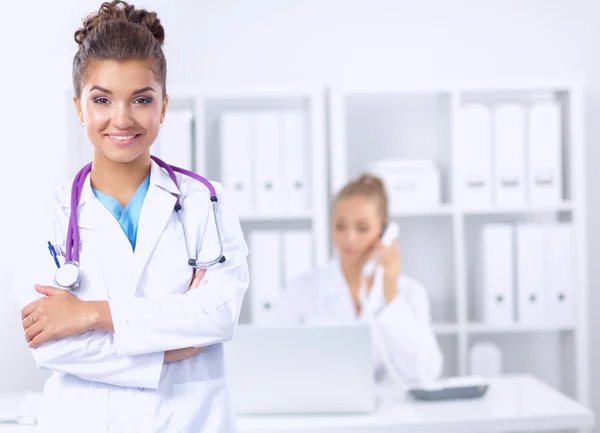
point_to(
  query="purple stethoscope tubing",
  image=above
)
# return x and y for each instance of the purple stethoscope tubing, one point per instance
(72, 243)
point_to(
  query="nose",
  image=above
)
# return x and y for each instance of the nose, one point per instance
(122, 116)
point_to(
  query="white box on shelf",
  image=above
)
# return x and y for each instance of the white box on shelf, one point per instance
(560, 274)
(496, 303)
(267, 162)
(296, 161)
(531, 271)
(298, 254)
(473, 155)
(174, 143)
(544, 171)
(409, 183)
(509, 154)
(485, 360)
(236, 147)
(265, 272)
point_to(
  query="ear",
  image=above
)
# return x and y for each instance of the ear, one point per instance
(163, 111)
(78, 109)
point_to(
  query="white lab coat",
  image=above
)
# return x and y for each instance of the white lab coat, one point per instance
(322, 296)
(116, 382)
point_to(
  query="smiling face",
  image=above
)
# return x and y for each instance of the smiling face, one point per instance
(122, 105)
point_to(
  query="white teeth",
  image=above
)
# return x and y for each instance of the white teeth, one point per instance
(122, 137)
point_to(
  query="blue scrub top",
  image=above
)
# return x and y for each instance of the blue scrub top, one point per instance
(129, 216)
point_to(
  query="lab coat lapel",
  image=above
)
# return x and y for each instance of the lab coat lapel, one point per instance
(336, 298)
(157, 210)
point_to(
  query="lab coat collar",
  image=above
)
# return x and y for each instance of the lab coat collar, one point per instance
(158, 177)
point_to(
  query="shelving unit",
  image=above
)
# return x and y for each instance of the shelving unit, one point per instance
(350, 127)
(370, 123)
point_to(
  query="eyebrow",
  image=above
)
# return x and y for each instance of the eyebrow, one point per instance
(137, 92)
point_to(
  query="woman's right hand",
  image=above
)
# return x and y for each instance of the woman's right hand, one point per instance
(187, 352)
(181, 354)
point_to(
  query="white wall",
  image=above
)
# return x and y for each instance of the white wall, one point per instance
(223, 42)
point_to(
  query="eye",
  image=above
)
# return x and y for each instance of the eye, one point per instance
(143, 101)
(340, 227)
(363, 229)
(100, 100)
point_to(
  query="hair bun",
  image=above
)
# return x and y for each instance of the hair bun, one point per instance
(371, 181)
(120, 10)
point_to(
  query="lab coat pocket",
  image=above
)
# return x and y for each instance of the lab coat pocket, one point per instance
(203, 407)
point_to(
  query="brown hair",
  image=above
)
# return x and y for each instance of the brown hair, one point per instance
(119, 32)
(368, 186)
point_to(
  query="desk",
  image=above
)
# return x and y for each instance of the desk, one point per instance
(512, 404)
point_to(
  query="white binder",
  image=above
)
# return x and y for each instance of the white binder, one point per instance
(236, 136)
(475, 149)
(175, 140)
(509, 155)
(544, 174)
(296, 153)
(267, 162)
(531, 271)
(560, 274)
(497, 288)
(298, 254)
(265, 272)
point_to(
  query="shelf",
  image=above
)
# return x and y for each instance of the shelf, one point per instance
(278, 216)
(523, 209)
(445, 328)
(441, 210)
(482, 328)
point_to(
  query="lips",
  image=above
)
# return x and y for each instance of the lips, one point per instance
(123, 139)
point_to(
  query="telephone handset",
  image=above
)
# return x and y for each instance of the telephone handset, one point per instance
(387, 236)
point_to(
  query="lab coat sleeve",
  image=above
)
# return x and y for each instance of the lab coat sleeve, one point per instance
(91, 355)
(198, 318)
(405, 327)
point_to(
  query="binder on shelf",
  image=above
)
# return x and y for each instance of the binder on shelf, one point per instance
(267, 162)
(497, 288)
(175, 140)
(474, 149)
(531, 271)
(235, 136)
(298, 254)
(509, 155)
(560, 274)
(544, 171)
(296, 161)
(265, 272)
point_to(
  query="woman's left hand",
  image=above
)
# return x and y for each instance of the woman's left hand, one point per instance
(388, 257)
(57, 315)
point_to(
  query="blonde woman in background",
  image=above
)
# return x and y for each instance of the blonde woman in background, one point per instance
(398, 304)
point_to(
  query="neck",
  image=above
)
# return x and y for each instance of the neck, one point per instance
(119, 180)
(351, 273)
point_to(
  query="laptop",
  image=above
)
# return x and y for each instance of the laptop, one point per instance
(303, 369)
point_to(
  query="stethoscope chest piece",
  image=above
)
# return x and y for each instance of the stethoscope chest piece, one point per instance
(67, 276)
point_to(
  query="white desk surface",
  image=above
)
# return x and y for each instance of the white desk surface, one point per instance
(512, 404)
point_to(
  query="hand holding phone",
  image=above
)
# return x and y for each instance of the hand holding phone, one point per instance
(387, 237)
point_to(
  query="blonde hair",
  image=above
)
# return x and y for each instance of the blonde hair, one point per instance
(368, 186)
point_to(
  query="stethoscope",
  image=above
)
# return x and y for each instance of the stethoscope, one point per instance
(68, 275)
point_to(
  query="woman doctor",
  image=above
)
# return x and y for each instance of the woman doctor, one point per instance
(398, 304)
(138, 346)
